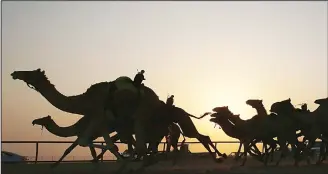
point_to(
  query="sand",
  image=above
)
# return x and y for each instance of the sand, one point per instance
(194, 166)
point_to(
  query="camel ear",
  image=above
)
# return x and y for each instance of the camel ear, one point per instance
(43, 72)
(261, 101)
(289, 99)
(38, 69)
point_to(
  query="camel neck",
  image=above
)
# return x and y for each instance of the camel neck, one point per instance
(70, 104)
(68, 131)
(261, 110)
(228, 128)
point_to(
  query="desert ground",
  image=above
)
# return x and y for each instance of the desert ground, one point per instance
(194, 166)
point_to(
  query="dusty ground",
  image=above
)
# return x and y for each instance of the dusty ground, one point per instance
(194, 166)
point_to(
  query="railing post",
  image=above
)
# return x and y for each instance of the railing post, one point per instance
(102, 157)
(36, 152)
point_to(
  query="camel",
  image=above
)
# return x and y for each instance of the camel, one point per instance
(100, 102)
(233, 128)
(154, 137)
(261, 112)
(267, 128)
(75, 130)
(285, 110)
(182, 118)
(120, 97)
(309, 123)
(312, 124)
(322, 121)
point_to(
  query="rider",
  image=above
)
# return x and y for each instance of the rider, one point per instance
(139, 78)
(170, 100)
(304, 107)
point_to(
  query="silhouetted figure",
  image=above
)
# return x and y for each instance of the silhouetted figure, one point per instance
(139, 78)
(170, 100)
(304, 107)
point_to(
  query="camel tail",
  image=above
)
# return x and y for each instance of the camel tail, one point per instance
(205, 114)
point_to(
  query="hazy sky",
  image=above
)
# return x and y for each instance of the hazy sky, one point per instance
(205, 53)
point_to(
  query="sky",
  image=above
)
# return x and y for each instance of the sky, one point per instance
(207, 54)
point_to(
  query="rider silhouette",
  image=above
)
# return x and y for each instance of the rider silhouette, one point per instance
(304, 107)
(170, 100)
(139, 77)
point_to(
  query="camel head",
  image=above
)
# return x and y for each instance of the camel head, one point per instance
(33, 78)
(282, 107)
(220, 112)
(42, 121)
(321, 101)
(255, 103)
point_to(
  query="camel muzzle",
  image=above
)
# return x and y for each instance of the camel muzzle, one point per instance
(14, 76)
(213, 119)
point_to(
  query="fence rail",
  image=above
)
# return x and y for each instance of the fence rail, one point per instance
(37, 143)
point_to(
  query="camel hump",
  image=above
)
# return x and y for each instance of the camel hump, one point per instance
(126, 83)
(124, 79)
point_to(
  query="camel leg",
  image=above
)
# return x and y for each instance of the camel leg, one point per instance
(98, 123)
(308, 150)
(168, 146)
(266, 154)
(206, 141)
(67, 151)
(282, 144)
(209, 141)
(152, 158)
(322, 148)
(109, 145)
(94, 154)
(297, 154)
(246, 149)
(271, 153)
(175, 150)
(326, 153)
(273, 148)
(141, 148)
(114, 138)
(323, 152)
(238, 152)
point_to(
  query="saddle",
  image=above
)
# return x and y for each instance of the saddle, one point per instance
(121, 83)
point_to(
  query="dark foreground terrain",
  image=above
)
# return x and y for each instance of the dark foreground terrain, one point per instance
(195, 166)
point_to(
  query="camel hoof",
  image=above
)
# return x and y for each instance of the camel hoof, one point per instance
(224, 156)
